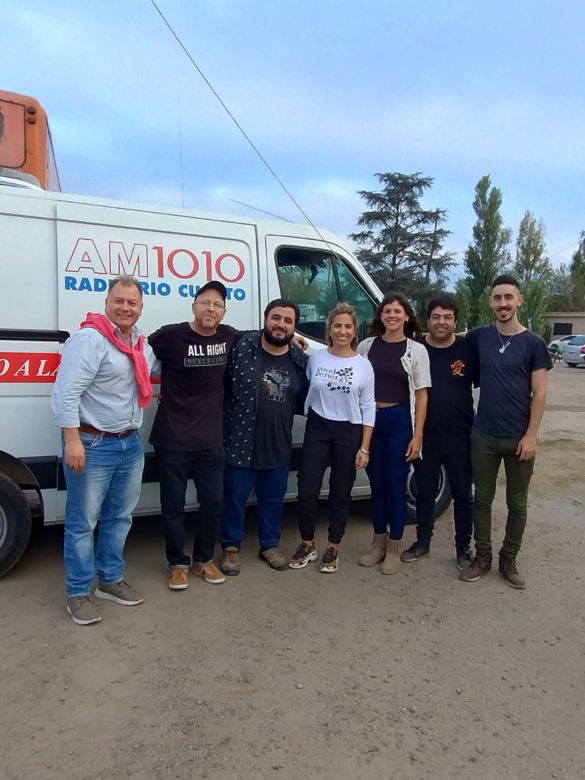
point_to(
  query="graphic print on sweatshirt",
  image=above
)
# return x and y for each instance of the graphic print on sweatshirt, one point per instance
(274, 385)
(206, 355)
(336, 378)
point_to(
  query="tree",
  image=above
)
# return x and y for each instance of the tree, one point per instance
(463, 296)
(534, 272)
(402, 242)
(577, 273)
(560, 290)
(531, 263)
(488, 254)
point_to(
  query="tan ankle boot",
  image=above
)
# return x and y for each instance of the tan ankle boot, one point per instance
(377, 551)
(392, 560)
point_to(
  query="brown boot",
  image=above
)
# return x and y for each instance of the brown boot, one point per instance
(392, 560)
(509, 571)
(480, 565)
(377, 551)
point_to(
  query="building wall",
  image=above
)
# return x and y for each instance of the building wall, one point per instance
(564, 323)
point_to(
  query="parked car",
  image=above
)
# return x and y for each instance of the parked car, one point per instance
(560, 343)
(574, 354)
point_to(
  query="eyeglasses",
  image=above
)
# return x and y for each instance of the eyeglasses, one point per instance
(210, 304)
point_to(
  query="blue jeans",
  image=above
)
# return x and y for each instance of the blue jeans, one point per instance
(388, 469)
(270, 486)
(107, 490)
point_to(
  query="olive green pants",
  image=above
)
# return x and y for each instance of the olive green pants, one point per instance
(487, 453)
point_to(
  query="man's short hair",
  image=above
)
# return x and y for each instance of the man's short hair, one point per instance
(285, 304)
(126, 281)
(506, 279)
(443, 302)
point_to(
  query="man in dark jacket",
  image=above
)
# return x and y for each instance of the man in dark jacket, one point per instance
(265, 386)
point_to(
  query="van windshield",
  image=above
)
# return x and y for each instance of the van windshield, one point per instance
(317, 281)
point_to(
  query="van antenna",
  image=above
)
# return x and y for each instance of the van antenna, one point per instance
(181, 152)
(240, 128)
(262, 211)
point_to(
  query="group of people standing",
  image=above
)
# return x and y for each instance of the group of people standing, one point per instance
(225, 416)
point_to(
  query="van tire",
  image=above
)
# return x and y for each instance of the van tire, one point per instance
(443, 496)
(15, 523)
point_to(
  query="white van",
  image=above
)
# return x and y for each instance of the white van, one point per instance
(57, 253)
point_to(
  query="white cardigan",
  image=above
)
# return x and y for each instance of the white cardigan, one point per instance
(415, 362)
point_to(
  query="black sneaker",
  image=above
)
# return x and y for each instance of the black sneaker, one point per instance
(415, 552)
(329, 561)
(463, 558)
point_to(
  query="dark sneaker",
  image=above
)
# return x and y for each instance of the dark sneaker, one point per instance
(509, 571)
(120, 592)
(479, 566)
(230, 562)
(463, 558)
(274, 558)
(415, 552)
(329, 561)
(209, 572)
(82, 610)
(304, 554)
(179, 579)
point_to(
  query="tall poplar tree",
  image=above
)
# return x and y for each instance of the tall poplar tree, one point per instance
(534, 272)
(488, 254)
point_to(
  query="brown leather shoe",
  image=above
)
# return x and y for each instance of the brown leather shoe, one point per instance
(209, 572)
(230, 561)
(509, 571)
(179, 579)
(274, 558)
(480, 565)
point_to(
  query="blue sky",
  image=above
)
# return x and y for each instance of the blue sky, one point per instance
(331, 92)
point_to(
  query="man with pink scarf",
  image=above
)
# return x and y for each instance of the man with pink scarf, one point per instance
(101, 389)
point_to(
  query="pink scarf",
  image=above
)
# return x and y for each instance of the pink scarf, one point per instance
(136, 354)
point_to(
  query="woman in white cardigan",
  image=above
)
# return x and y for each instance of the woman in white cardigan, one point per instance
(402, 376)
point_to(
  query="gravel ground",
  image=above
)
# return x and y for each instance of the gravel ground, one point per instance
(280, 675)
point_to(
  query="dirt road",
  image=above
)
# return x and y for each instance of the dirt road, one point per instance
(299, 674)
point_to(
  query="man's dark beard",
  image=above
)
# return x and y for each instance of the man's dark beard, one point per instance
(277, 341)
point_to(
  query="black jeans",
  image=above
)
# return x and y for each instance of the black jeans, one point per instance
(327, 443)
(205, 468)
(457, 462)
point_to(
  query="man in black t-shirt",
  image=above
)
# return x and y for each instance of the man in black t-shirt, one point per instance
(265, 386)
(513, 365)
(447, 431)
(187, 432)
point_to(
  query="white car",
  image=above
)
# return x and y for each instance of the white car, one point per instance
(574, 354)
(561, 342)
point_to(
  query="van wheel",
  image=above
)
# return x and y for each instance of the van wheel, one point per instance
(442, 498)
(15, 523)
(572, 365)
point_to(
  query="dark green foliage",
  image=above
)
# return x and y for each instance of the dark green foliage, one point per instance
(402, 242)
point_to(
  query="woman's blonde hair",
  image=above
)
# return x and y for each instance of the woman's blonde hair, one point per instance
(342, 308)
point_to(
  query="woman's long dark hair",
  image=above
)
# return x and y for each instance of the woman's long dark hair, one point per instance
(411, 327)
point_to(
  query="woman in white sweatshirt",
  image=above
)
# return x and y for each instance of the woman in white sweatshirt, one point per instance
(340, 411)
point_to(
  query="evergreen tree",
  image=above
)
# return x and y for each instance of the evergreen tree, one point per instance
(402, 242)
(488, 254)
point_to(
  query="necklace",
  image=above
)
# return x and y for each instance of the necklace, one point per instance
(505, 344)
